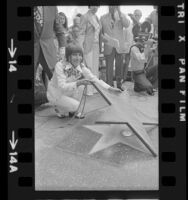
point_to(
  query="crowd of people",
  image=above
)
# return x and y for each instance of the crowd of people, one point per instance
(68, 56)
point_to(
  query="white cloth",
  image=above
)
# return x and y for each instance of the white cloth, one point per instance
(62, 89)
(137, 59)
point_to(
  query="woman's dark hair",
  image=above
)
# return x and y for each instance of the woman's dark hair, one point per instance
(66, 21)
(71, 49)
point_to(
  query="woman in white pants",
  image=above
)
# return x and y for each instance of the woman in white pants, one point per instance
(89, 38)
(66, 86)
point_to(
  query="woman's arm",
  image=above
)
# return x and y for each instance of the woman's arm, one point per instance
(88, 75)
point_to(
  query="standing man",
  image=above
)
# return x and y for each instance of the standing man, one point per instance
(113, 24)
(45, 25)
(134, 24)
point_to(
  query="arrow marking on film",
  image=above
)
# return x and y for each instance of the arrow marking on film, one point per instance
(13, 142)
(12, 50)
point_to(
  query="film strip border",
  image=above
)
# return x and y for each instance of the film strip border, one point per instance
(172, 100)
(20, 90)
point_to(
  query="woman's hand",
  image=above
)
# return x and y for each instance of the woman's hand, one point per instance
(82, 82)
(114, 90)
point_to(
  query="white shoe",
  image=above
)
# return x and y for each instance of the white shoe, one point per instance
(58, 114)
(80, 116)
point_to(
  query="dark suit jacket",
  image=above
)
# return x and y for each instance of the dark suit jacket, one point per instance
(45, 40)
(117, 32)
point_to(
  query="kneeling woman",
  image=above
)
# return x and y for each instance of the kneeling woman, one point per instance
(66, 86)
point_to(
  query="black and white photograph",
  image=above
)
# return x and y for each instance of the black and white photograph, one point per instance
(96, 98)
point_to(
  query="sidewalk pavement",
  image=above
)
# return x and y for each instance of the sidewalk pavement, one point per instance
(61, 152)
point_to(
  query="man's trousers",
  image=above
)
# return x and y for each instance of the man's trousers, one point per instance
(118, 67)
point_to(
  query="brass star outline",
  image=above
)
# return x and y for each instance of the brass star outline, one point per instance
(116, 118)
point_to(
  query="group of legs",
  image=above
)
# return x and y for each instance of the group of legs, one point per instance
(144, 80)
(119, 65)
